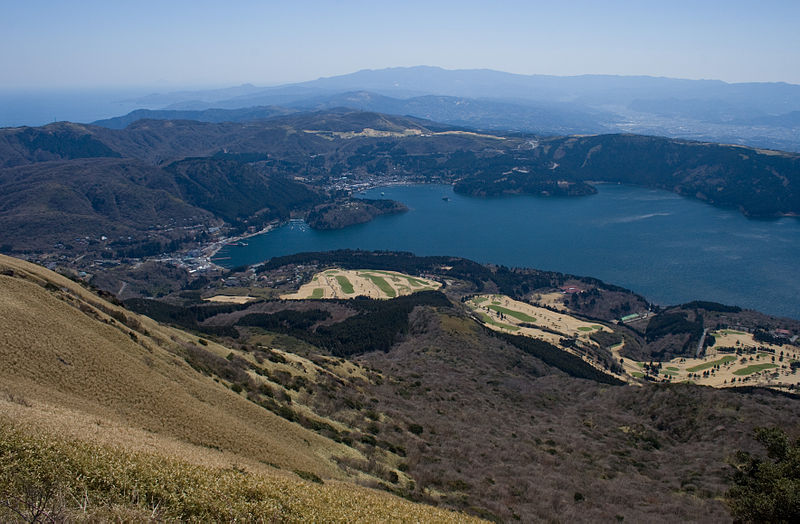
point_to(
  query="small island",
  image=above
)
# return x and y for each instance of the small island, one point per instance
(340, 214)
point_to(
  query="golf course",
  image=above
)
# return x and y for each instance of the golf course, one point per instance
(734, 359)
(341, 283)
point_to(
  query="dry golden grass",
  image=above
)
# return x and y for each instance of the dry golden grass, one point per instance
(77, 366)
(230, 299)
(470, 133)
(364, 282)
(366, 132)
(75, 480)
(559, 324)
(676, 370)
(53, 352)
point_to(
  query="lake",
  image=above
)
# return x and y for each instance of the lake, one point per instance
(667, 248)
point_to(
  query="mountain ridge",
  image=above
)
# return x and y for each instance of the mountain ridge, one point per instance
(612, 103)
(83, 375)
(301, 158)
(450, 414)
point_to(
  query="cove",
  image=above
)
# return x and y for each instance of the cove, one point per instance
(665, 247)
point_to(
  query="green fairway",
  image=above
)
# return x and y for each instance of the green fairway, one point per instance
(755, 368)
(732, 332)
(671, 368)
(384, 286)
(345, 284)
(706, 365)
(318, 292)
(511, 313)
(585, 328)
(479, 300)
(411, 280)
(489, 320)
(637, 374)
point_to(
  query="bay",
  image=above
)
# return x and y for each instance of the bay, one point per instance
(666, 247)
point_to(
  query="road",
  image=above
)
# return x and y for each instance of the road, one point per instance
(700, 344)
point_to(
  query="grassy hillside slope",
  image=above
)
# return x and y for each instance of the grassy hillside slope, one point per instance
(77, 366)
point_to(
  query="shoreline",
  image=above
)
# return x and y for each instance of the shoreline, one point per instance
(210, 250)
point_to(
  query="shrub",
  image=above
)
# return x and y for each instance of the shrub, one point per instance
(307, 475)
(415, 429)
(767, 490)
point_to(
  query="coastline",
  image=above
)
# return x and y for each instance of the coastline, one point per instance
(210, 250)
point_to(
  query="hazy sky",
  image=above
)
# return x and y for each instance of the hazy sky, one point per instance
(175, 43)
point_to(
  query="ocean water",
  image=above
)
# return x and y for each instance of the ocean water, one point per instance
(668, 248)
(38, 107)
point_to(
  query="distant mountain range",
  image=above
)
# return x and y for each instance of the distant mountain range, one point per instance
(755, 114)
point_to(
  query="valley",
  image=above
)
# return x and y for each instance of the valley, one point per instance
(371, 383)
(259, 265)
(409, 395)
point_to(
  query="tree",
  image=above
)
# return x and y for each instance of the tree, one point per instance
(767, 489)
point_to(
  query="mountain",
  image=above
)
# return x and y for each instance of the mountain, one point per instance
(199, 95)
(105, 415)
(555, 118)
(72, 202)
(260, 410)
(209, 115)
(584, 89)
(724, 175)
(168, 182)
(790, 120)
(708, 110)
(60, 141)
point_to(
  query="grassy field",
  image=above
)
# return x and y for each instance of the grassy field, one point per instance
(341, 283)
(70, 480)
(519, 315)
(415, 282)
(384, 286)
(345, 284)
(489, 320)
(707, 365)
(754, 368)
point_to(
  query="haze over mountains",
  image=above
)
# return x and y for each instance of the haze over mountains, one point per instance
(755, 114)
(500, 392)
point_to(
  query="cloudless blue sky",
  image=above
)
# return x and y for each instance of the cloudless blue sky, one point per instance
(198, 43)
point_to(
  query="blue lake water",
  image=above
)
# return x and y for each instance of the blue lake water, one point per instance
(668, 248)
